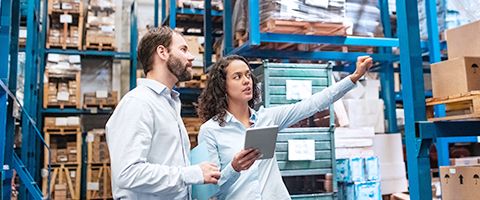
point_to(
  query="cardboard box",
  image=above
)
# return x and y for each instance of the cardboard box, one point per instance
(455, 76)
(350, 170)
(369, 190)
(464, 40)
(460, 182)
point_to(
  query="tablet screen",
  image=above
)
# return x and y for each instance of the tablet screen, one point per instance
(263, 139)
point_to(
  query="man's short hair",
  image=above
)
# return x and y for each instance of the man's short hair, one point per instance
(148, 44)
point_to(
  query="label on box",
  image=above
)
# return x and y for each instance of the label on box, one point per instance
(63, 96)
(73, 121)
(453, 171)
(66, 18)
(319, 3)
(22, 33)
(52, 57)
(301, 149)
(298, 89)
(74, 58)
(93, 186)
(60, 121)
(67, 6)
(73, 174)
(101, 93)
(90, 137)
(107, 29)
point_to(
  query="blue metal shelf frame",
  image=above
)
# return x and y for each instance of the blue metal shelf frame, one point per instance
(28, 165)
(249, 49)
(420, 134)
(8, 21)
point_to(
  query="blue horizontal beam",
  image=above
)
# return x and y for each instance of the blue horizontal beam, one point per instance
(399, 97)
(197, 11)
(74, 111)
(304, 55)
(335, 40)
(116, 55)
(431, 130)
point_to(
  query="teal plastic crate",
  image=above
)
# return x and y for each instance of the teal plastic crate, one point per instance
(273, 78)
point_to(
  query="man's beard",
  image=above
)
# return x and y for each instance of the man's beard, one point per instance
(180, 71)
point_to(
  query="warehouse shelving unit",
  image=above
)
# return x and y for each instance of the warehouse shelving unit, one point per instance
(420, 134)
(28, 164)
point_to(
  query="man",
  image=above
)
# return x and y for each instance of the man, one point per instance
(147, 140)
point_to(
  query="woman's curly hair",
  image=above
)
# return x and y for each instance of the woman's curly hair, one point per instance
(213, 100)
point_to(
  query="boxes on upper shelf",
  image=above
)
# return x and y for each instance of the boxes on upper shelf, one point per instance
(455, 76)
(464, 41)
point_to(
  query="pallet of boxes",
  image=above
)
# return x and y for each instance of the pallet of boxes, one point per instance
(64, 138)
(101, 99)
(100, 27)
(456, 85)
(98, 166)
(65, 24)
(192, 124)
(62, 82)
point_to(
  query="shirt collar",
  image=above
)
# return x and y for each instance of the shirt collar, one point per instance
(157, 87)
(253, 116)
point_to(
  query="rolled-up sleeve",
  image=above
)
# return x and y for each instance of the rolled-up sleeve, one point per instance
(129, 138)
(285, 116)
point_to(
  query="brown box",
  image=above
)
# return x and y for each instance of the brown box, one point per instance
(464, 40)
(460, 182)
(455, 76)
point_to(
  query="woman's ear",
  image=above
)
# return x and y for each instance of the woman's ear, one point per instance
(162, 52)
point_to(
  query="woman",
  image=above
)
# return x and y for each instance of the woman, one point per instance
(227, 104)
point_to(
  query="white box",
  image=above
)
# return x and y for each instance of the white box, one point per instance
(366, 113)
(353, 152)
(61, 121)
(73, 121)
(362, 132)
(353, 143)
(372, 89)
(393, 186)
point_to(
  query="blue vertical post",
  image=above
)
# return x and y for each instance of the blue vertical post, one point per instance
(164, 11)
(208, 34)
(227, 26)
(155, 6)
(6, 146)
(413, 100)
(386, 77)
(434, 43)
(173, 14)
(133, 45)
(254, 22)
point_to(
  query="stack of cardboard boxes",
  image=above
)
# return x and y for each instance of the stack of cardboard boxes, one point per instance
(65, 24)
(461, 180)
(101, 99)
(62, 81)
(100, 33)
(98, 166)
(459, 76)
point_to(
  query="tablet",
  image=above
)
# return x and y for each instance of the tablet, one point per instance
(263, 139)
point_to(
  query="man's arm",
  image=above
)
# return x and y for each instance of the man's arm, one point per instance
(129, 137)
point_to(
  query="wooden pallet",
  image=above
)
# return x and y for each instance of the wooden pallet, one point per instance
(62, 176)
(99, 46)
(98, 181)
(458, 107)
(302, 27)
(63, 130)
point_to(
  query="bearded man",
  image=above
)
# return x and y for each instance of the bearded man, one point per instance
(147, 140)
